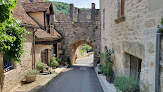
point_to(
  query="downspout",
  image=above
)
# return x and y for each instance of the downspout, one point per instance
(157, 69)
(34, 50)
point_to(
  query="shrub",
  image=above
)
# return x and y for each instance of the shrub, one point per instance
(32, 72)
(107, 56)
(60, 60)
(40, 65)
(107, 69)
(126, 84)
(53, 62)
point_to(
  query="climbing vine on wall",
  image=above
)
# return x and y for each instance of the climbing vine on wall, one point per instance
(11, 39)
(160, 27)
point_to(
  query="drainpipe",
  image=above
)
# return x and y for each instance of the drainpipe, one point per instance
(157, 69)
(34, 50)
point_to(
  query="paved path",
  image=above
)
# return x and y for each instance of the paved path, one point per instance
(75, 79)
(87, 61)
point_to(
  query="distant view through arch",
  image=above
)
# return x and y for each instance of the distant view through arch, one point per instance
(84, 55)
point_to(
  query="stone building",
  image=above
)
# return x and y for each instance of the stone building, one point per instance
(79, 27)
(129, 27)
(41, 44)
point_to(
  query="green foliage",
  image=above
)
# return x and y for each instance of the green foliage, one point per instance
(107, 56)
(6, 9)
(11, 40)
(86, 48)
(73, 23)
(160, 27)
(40, 65)
(53, 62)
(107, 69)
(32, 72)
(63, 7)
(126, 84)
(60, 60)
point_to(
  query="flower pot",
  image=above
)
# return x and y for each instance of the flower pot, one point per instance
(60, 51)
(110, 78)
(30, 78)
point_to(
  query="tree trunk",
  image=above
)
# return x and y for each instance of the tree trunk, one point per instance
(1, 71)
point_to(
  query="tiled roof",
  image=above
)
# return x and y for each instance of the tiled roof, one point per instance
(43, 34)
(19, 13)
(36, 6)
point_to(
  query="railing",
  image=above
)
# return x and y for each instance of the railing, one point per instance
(8, 65)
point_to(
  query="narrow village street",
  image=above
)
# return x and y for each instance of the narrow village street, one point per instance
(76, 79)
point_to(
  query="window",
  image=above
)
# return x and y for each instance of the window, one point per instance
(8, 65)
(120, 12)
(103, 18)
(135, 66)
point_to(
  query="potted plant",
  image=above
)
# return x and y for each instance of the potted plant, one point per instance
(31, 76)
(60, 61)
(108, 71)
(53, 62)
(40, 66)
(60, 51)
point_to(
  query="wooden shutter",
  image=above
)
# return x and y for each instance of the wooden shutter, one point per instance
(122, 7)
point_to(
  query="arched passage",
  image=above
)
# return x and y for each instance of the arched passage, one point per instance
(74, 46)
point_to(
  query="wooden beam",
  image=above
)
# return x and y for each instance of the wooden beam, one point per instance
(48, 42)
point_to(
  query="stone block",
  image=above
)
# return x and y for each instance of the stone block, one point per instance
(150, 23)
(134, 48)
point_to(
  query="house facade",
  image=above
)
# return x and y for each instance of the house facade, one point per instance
(43, 41)
(129, 27)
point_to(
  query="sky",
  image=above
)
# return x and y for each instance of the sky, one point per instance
(81, 3)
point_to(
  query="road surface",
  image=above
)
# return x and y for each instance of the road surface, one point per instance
(75, 79)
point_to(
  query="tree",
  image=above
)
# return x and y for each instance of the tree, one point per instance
(11, 39)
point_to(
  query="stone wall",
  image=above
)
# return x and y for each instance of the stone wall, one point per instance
(15, 76)
(135, 36)
(80, 31)
(40, 48)
(80, 27)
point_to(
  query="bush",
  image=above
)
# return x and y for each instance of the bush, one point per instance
(107, 56)
(126, 84)
(40, 65)
(107, 69)
(60, 60)
(32, 72)
(53, 62)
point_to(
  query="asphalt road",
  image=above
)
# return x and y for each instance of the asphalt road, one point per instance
(75, 79)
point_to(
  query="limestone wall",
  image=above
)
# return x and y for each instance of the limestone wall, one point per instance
(14, 77)
(40, 48)
(80, 31)
(135, 36)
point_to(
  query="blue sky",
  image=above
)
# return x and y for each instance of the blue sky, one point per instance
(81, 3)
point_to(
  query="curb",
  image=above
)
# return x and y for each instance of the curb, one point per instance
(107, 87)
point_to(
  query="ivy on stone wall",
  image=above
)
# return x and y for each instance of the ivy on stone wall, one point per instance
(11, 39)
(160, 27)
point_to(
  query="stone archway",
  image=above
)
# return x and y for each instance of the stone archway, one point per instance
(75, 45)
(77, 29)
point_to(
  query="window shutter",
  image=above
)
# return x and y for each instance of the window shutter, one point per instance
(122, 7)
(119, 9)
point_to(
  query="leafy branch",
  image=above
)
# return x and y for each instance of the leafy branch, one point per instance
(11, 39)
